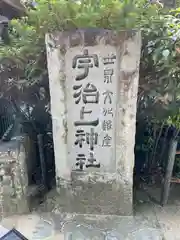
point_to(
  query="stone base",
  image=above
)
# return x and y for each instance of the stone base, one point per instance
(95, 194)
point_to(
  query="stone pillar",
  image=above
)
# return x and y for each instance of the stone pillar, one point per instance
(21, 182)
(13, 177)
(93, 78)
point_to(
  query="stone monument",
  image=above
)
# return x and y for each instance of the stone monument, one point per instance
(93, 79)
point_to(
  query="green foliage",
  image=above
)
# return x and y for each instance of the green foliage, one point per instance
(26, 52)
(159, 72)
(27, 35)
(174, 120)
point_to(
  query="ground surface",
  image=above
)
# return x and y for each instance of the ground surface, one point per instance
(150, 221)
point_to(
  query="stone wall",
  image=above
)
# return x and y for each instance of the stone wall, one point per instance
(106, 188)
(14, 177)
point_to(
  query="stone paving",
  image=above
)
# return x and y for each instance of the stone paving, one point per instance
(150, 222)
(83, 227)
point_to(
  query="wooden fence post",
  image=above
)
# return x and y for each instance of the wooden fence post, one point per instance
(42, 159)
(169, 169)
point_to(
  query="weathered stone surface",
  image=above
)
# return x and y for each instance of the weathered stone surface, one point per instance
(14, 179)
(17, 4)
(169, 3)
(83, 227)
(78, 88)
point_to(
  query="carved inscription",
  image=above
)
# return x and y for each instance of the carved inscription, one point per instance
(92, 90)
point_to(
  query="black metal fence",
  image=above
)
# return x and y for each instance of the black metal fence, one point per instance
(7, 119)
